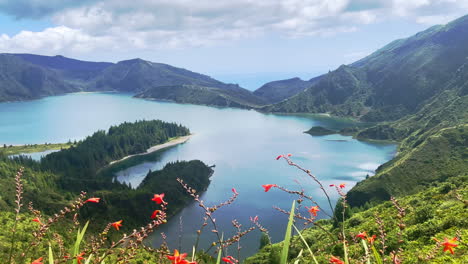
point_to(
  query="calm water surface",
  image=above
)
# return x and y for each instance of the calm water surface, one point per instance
(242, 144)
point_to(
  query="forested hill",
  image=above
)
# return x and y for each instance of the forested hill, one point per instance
(29, 76)
(79, 165)
(61, 176)
(392, 82)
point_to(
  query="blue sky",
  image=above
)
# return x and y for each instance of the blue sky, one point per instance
(243, 41)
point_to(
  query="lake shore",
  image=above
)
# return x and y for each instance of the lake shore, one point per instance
(170, 143)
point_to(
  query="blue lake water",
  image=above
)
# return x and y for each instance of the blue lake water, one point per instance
(242, 144)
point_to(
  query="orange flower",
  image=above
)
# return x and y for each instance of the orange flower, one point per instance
(371, 239)
(37, 261)
(267, 187)
(229, 259)
(279, 157)
(79, 257)
(155, 213)
(93, 200)
(449, 244)
(342, 185)
(336, 260)
(362, 235)
(37, 220)
(158, 198)
(289, 154)
(117, 225)
(313, 210)
(179, 258)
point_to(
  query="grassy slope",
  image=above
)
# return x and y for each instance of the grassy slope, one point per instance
(440, 156)
(432, 213)
(13, 150)
(392, 82)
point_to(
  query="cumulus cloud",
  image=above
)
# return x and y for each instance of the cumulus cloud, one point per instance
(152, 24)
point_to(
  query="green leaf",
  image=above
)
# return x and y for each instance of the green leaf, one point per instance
(305, 243)
(79, 238)
(366, 248)
(51, 255)
(299, 256)
(218, 260)
(377, 257)
(287, 236)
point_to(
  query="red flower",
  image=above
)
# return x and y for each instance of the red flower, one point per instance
(229, 259)
(371, 239)
(93, 200)
(37, 220)
(342, 185)
(158, 198)
(179, 258)
(289, 154)
(37, 261)
(332, 185)
(334, 259)
(362, 235)
(267, 187)
(279, 157)
(449, 244)
(79, 257)
(155, 213)
(117, 225)
(313, 210)
(234, 191)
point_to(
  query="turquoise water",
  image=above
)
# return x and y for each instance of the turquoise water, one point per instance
(242, 144)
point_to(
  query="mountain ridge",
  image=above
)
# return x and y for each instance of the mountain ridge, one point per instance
(62, 75)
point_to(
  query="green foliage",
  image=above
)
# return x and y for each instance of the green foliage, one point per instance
(448, 218)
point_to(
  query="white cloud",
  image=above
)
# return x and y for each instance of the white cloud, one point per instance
(156, 24)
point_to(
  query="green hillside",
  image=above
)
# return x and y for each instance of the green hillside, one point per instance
(392, 82)
(437, 212)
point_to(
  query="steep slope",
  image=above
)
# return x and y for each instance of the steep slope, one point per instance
(21, 80)
(434, 145)
(274, 92)
(392, 82)
(437, 158)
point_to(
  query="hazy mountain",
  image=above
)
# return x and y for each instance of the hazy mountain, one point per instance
(393, 81)
(68, 68)
(29, 76)
(20, 80)
(137, 75)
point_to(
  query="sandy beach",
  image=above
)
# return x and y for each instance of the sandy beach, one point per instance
(171, 143)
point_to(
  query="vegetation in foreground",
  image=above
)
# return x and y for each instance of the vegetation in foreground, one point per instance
(425, 228)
